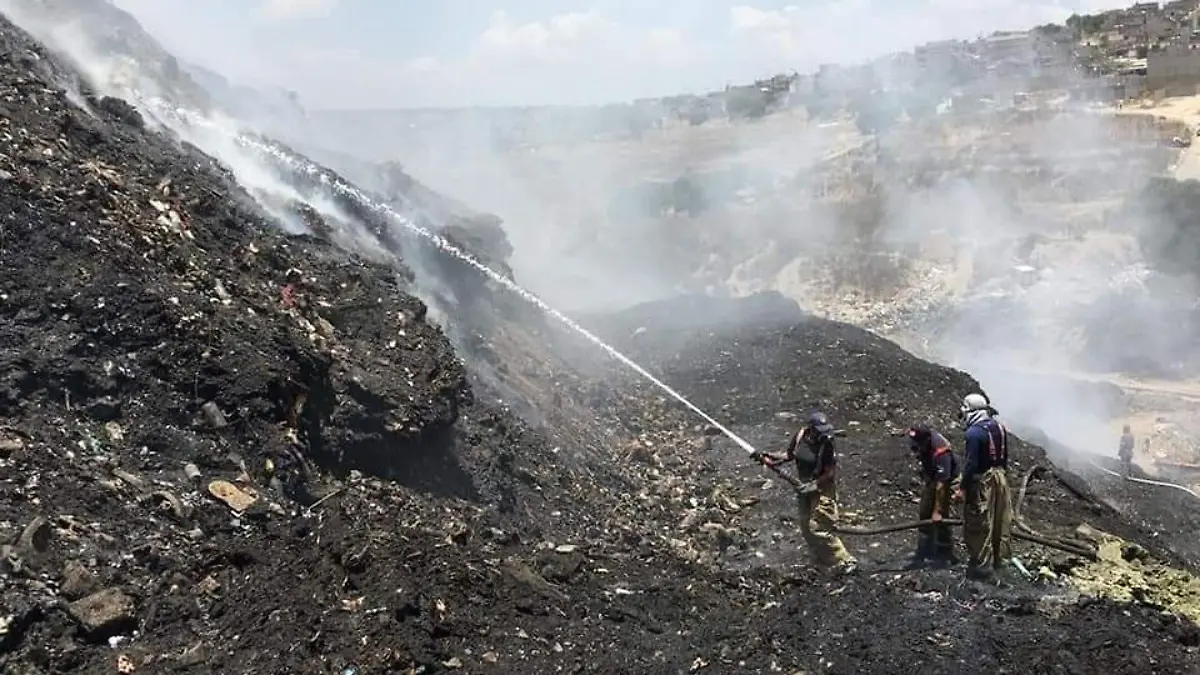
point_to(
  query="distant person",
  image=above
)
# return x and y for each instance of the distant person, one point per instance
(812, 449)
(1125, 450)
(987, 512)
(940, 472)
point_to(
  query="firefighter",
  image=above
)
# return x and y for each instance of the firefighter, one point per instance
(812, 449)
(940, 473)
(1125, 450)
(987, 512)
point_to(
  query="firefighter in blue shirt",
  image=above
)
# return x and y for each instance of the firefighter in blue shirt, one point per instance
(940, 473)
(987, 512)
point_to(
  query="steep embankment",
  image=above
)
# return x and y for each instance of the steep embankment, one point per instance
(172, 363)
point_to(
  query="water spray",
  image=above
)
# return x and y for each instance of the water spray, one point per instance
(445, 246)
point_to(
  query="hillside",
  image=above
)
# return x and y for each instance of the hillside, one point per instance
(226, 449)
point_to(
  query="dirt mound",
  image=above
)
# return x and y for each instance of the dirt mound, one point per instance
(228, 450)
(761, 363)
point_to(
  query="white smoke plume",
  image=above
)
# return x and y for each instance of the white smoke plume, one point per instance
(995, 229)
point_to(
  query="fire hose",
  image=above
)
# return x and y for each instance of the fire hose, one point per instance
(1021, 531)
(1145, 481)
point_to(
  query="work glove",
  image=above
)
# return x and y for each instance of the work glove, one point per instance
(765, 458)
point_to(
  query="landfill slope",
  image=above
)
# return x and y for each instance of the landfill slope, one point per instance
(228, 450)
(760, 363)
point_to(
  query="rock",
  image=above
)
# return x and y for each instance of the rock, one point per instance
(718, 534)
(77, 581)
(560, 568)
(114, 432)
(213, 416)
(104, 614)
(105, 409)
(10, 443)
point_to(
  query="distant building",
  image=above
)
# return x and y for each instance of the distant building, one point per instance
(1175, 69)
(937, 57)
(1010, 47)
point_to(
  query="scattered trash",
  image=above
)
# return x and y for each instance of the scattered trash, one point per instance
(233, 497)
(168, 324)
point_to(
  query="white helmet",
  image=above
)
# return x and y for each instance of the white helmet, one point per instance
(974, 402)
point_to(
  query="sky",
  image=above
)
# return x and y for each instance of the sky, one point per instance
(404, 54)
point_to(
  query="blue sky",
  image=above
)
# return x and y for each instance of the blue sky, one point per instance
(403, 53)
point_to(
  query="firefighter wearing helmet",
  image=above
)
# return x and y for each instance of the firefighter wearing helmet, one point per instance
(987, 508)
(812, 450)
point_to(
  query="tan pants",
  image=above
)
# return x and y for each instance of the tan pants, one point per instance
(987, 521)
(818, 513)
(935, 539)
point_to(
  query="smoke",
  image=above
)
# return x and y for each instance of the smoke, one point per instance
(116, 58)
(1010, 232)
(1040, 209)
(999, 218)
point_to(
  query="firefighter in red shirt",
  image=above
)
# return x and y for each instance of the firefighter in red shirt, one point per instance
(941, 475)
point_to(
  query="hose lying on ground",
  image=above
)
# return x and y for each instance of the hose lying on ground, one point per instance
(1022, 531)
(1145, 481)
(1064, 546)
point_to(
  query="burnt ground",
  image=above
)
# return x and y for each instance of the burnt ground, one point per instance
(760, 363)
(381, 513)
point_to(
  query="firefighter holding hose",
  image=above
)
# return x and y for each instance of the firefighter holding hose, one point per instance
(987, 513)
(812, 449)
(940, 473)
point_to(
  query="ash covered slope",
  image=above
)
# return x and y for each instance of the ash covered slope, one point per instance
(158, 333)
(116, 334)
(757, 363)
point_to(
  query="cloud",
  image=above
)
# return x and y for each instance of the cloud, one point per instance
(396, 54)
(558, 39)
(291, 10)
(576, 40)
(584, 55)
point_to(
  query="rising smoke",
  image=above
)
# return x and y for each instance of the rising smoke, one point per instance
(118, 59)
(1007, 237)
(1005, 231)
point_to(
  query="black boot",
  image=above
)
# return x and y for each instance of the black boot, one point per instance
(925, 551)
(979, 573)
(944, 552)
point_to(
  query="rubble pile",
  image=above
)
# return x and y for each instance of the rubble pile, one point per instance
(226, 449)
